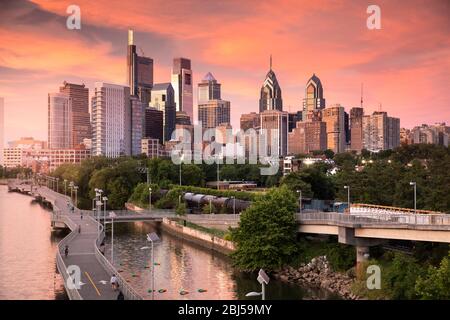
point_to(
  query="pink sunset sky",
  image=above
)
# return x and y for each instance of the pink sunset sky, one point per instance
(404, 66)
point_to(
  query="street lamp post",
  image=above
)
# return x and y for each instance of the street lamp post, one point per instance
(65, 187)
(181, 161)
(57, 185)
(150, 200)
(300, 200)
(348, 197)
(263, 279)
(76, 196)
(153, 237)
(104, 210)
(234, 204)
(414, 184)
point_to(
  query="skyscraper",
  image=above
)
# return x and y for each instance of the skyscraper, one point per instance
(137, 124)
(275, 122)
(380, 132)
(154, 127)
(139, 72)
(111, 120)
(356, 140)
(270, 98)
(81, 120)
(2, 128)
(308, 136)
(163, 100)
(182, 86)
(212, 111)
(334, 117)
(313, 96)
(59, 121)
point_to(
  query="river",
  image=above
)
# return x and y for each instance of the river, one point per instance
(28, 268)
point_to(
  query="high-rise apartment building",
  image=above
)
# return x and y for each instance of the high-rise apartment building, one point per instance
(380, 132)
(250, 121)
(182, 86)
(59, 121)
(314, 99)
(434, 134)
(139, 72)
(163, 100)
(154, 124)
(270, 97)
(212, 111)
(334, 117)
(111, 120)
(137, 124)
(80, 126)
(274, 122)
(356, 132)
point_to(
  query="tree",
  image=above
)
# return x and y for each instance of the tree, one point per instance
(293, 181)
(400, 277)
(436, 283)
(266, 234)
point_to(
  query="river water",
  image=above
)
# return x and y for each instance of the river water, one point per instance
(28, 268)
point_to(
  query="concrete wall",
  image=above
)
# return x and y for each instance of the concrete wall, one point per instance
(205, 239)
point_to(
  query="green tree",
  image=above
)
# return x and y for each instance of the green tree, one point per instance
(266, 234)
(436, 283)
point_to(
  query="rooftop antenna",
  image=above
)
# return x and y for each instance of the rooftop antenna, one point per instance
(270, 61)
(362, 88)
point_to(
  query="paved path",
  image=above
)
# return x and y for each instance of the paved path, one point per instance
(82, 251)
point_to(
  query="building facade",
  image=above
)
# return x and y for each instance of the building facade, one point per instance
(308, 136)
(163, 99)
(380, 132)
(250, 121)
(152, 148)
(154, 124)
(2, 128)
(270, 96)
(274, 122)
(356, 133)
(212, 111)
(314, 99)
(137, 124)
(182, 86)
(80, 118)
(111, 120)
(334, 117)
(59, 121)
(432, 134)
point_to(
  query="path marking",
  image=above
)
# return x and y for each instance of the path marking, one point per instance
(92, 282)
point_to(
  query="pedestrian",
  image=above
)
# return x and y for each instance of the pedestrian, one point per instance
(79, 228)
(120, 296)
(66, 251)
(114, 284)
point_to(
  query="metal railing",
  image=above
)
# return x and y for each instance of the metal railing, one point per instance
(126, 288)
(378, 218)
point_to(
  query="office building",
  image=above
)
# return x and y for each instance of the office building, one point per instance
(211, 112)
(274, 122)
(154, 124)
(139, 72)
(182, 118)
(81, 121)
(334, 117)
(294, 118)
(356, 133)
(137, 124)
(432, 134)
(59, 121)
(250, 121)
(111, 120)
(163, 100)
(309, 135)
(314, 99)
(270, 97)
(152, 148)
(182, 86)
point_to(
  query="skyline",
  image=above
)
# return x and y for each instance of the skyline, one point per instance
(38, 50)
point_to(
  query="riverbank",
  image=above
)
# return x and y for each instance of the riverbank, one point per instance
(199, 237)
(318, 273)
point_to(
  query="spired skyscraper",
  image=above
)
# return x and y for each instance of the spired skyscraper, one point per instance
(182, 86)
(270, 92)
(139, 73)
(212, 110)
(313, 96)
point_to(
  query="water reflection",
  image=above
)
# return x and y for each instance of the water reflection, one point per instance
(27, 250)
(183, 266)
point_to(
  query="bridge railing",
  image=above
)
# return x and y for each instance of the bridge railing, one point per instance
(378, 218)
(127, 289)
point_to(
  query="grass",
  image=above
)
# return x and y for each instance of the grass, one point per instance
(212, 231)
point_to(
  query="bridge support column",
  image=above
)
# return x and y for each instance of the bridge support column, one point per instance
(362, 256)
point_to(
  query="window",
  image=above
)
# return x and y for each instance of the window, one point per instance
(187, 79)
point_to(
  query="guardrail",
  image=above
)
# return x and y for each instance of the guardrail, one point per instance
(127, 289)
(378, 218)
